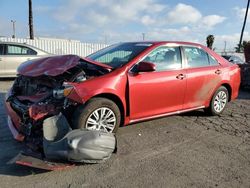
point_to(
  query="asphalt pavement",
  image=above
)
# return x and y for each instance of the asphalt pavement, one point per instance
(187, 150)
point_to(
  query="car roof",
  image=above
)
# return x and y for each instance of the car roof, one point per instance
(166, 42)
(17, 43)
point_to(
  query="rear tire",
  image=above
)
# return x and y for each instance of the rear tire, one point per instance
(97, 114)
(218, 102)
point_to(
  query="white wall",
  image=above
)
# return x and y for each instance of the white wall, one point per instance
(59, 46)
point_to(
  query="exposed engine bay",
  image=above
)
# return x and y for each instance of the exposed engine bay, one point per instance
(36, 98)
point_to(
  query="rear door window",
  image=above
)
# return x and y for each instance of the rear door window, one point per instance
(212, 60)
(19, 50)
(196, 57)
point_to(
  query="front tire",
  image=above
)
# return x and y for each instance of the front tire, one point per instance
(97, 114)
(218, 102)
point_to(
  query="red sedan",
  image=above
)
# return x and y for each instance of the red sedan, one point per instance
(119, 85)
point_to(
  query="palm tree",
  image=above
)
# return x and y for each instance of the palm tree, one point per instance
(247, 52)
(210, 41)
(244, 24)
(241, 47)
(31, 20)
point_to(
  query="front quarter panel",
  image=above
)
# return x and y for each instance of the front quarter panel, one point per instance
(112, 83)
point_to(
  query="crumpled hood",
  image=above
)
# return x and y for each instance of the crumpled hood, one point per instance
(53, 65)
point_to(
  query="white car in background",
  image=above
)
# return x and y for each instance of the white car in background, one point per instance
(12, 54)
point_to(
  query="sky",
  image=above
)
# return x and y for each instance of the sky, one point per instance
(111, 21)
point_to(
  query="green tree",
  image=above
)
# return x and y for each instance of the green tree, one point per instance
(210, 41)
(247, 51)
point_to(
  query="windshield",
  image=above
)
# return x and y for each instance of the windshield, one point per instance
(119, 54)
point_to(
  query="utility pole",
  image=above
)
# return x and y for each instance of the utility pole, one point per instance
(13, 28)
(225, 47)
(106, 39)
(244, 24)
(31, 20)
(143, 36)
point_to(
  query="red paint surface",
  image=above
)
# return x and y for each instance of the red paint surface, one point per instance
(53, 65)
(27, 160)
(155, 93)
(18, 136)
(148, 94)
(37, 112)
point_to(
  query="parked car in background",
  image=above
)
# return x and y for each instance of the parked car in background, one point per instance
(244, 67)
(13, 54)
(234, 59)
(119, 85)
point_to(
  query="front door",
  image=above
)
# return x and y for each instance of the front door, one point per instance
(159, 92)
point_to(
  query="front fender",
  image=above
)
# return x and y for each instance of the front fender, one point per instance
(104, 85)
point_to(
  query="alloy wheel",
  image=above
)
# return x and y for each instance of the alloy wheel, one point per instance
(220, 101)
(102, 119)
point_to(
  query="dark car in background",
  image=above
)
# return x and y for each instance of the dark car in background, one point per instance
(244, 67)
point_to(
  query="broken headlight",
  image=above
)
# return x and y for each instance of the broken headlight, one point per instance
(61, 93)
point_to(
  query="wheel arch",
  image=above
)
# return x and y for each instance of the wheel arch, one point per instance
(117, 101)
(229, 89)
(227, 86)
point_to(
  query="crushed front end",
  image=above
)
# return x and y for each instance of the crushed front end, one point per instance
(40, 107)
(30, 101)
(40, 91)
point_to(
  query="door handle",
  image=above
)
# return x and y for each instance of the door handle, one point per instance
(180, 76)
(218, 71)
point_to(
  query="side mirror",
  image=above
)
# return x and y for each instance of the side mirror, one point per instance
(145, 67)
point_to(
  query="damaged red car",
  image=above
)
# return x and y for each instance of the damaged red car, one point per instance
(119, 85)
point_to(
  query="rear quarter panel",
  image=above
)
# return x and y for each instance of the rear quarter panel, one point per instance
(231, 74)
(235, 80)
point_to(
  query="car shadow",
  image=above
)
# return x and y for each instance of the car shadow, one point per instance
(199, 113)
(10, 148)
(243, 95)
(7, 79)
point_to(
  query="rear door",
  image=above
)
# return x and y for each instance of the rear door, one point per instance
(203, 74)
(159, 92)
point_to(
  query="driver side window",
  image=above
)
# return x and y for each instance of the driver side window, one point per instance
(165, 58)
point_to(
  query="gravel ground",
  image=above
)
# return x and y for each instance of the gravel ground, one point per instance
(188, 150)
